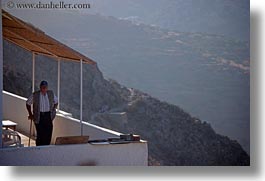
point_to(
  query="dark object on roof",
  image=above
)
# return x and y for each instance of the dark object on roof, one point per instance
(71, 140)
(130, 137)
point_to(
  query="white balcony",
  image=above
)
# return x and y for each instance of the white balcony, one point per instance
(131, 154)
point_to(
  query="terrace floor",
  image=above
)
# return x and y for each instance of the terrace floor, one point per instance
(25, 140)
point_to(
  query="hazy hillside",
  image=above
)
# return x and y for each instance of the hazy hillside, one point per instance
(207, 75)
(174, 137)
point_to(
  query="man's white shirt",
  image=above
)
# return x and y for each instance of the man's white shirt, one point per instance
(44, 102)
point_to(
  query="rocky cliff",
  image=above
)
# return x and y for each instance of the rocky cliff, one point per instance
(174, 136)
(206, 75)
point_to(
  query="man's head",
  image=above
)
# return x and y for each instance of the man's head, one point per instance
(43, 86)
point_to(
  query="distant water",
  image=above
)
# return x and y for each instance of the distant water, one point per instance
(219, 97)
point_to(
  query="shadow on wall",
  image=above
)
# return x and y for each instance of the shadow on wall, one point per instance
(87, 163)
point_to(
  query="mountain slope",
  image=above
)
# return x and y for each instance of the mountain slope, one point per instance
(207, 75)
(174, 137)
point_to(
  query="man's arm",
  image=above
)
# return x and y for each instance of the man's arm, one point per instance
(55, 102)
(29, 102)
(29, 111)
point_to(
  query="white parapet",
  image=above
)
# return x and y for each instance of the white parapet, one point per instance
(133, 154)
(14, 108)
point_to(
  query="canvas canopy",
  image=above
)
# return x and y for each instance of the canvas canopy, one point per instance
(32, 39)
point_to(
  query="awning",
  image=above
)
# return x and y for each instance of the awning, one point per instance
(32, 39)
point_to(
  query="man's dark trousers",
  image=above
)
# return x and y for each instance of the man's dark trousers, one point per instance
(44, 129)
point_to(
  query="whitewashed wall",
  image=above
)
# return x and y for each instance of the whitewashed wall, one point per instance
(14, 109)
(76, 155)
(134, 154)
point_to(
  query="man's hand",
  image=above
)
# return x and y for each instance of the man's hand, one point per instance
(55, 106)
(30, 117)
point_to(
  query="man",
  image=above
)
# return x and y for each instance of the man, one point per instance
(44, 110)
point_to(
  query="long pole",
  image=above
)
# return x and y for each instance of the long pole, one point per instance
(33, 72)
(1, 76)
(33, 89)
(59, 82)
(30, 128)
(81, 97)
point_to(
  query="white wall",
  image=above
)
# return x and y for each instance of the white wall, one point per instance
(14, 109)
(67, 126)
(133, 154)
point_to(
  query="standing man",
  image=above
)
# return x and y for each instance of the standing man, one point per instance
(44, 111)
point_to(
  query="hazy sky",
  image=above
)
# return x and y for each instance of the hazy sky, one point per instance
(230, 18)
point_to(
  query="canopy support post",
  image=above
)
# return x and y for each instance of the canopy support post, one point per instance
(33, 72)
(33, 81)
(59, 82)
(81, 97)
(1, 78)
